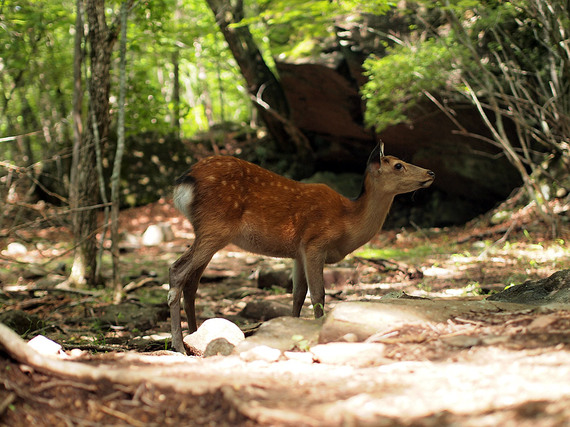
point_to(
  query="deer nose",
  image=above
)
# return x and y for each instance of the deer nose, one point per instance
(431, 173)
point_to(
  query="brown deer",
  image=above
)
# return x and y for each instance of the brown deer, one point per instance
(229, 200)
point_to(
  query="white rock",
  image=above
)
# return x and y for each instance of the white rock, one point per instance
(44, 346)
(350, 353)
(156, 234)
(15, 248)
(213, 329)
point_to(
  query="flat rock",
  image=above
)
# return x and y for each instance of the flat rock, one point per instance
(360, 320)
(284, 334)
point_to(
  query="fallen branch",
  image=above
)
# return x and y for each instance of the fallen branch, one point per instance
(5, 404)
(19, 350)
(166, 375)
(62, 287)
(132, 286)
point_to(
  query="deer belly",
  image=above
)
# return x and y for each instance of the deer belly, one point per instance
(275, 243)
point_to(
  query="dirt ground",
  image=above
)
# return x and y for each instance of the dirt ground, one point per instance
(508, 369)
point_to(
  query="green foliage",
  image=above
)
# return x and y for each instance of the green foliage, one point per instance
(301, 343)
(511, 60)
(398, 80)
(36, 51)
(418, 252)
(293, 28)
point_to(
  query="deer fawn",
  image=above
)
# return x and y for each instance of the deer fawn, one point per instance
(229, 200)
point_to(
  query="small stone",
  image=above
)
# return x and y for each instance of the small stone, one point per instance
(462, 341)
(219, 347)
(299, 356)
(262, 353)
(352, 354)
(542, 322)
(350, 337)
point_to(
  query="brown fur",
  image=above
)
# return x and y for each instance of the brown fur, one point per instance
(229, 200)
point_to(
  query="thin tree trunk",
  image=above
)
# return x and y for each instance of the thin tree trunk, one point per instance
(176, 78)
(115, 179)
(77, 276)
(205, 97)
(176, 92)
(101, 41)
(264, 88)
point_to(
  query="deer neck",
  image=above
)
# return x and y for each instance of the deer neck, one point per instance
(368, 213)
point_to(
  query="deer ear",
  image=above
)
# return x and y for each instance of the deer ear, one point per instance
(375, 159)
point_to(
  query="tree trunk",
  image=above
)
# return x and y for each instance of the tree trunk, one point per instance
(77, 276)
(176, 93)
(116, 177)
(264, 88)
(101, 41)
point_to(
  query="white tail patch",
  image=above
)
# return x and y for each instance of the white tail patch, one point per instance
(183, 195)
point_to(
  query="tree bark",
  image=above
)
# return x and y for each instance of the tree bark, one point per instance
(116, 177)
(264, 88)
(101, 41)
(77, 276)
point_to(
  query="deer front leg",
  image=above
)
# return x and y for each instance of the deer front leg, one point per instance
(314, 264)
(299, 287)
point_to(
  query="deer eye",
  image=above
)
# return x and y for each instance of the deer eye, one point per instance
(398, 166)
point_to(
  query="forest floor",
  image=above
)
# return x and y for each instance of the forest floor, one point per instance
(509, 369)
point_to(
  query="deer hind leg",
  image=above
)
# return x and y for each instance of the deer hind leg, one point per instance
(189, 293)
(185, 275)
(299, 287)
(314, 264)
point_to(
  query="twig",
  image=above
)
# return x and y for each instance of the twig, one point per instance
(492, 232)
(58, 288)
(5, 404)
(500, 241)
(10, 385)
(471, 322)
(93, 347)
(120, 415)
(62, 383)
(136, 285)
